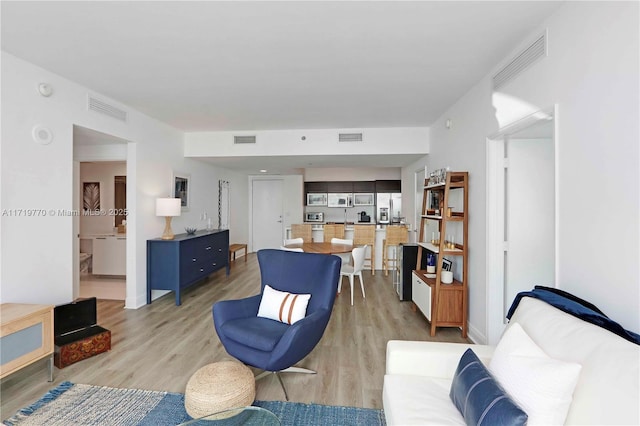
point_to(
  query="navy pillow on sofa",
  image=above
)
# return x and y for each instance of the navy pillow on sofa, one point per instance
(479, 398)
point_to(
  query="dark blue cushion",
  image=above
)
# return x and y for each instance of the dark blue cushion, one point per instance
(255, 332)
(479, 398)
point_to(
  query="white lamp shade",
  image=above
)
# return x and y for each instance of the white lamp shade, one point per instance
(168, 207)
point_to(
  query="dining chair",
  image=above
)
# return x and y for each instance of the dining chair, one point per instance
(288, 241)
(333, 231)
(346, 257)
(366, 234)
(291, 249)
(302, 230)
(350, 271)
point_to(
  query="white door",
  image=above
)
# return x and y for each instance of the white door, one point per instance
(267, 225)
(521, 213)
(529, 216)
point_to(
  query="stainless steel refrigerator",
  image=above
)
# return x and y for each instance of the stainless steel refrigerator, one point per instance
(391, 201)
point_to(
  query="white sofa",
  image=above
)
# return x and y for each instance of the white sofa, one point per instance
(419, 374)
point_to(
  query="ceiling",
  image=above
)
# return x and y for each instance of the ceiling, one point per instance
(209, 65)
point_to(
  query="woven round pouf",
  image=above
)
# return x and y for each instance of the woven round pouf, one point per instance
(219, 386)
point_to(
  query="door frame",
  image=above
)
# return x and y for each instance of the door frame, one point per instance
(124, 151)
(495, 220)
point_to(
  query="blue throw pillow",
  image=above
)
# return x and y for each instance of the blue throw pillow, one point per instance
(479, 398)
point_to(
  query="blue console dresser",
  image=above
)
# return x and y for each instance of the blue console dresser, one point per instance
(178, 263)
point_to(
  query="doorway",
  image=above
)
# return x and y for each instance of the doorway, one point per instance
(267, 211)
(521, 213)
(100, 198)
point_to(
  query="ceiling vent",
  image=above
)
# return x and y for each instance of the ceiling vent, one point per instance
(244, 139)
(349, 137)
(535, 51)
(104, 108)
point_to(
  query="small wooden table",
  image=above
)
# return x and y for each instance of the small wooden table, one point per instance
(233, 248)
(323, 248)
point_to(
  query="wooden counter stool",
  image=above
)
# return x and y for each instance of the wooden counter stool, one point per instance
(395, 235)
(333, 231)
(366, 234)
(299, 230)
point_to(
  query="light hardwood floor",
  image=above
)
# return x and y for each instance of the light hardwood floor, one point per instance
(160, 346)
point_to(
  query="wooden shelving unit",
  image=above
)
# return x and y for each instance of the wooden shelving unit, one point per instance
(444, 305)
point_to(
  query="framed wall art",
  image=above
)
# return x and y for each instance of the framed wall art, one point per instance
(182, 189)
(90, 196)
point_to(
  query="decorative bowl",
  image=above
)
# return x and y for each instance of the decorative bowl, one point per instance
(190, 230)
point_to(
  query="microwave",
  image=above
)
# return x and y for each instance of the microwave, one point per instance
(314, 217)
(340, 200)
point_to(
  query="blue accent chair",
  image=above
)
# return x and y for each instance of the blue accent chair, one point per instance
(268, 344)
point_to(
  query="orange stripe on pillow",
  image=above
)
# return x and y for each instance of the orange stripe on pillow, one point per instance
(293, 302)
(284, 301)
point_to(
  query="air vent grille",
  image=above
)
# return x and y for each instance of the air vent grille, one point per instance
(103, 107)
(349, 137)
(528, 56)
(244, 139)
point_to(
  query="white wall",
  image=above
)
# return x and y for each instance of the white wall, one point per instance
(40, 177)
(591, 72)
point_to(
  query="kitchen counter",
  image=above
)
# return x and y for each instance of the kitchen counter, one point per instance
(108, 251)
(318, 235)
(112, 234)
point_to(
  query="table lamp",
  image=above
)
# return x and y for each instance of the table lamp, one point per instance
(168, 207)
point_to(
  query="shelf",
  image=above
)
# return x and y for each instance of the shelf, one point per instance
(454, 286)
(458, 251)
(431, 216)
(455, 217)
(446, 304)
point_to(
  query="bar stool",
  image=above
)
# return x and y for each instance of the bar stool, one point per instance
(366, 234)
(333, 231)
(299, 230)
(396, 235)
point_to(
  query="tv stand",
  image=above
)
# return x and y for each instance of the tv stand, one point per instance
(26, 336)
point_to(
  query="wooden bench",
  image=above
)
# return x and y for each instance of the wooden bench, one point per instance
(233, 248)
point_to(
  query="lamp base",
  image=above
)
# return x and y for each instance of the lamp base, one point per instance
(168, 233)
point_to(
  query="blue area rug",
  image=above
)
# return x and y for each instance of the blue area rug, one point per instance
(71, 404)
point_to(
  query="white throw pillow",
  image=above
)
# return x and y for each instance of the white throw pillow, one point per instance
(541, 385)
(282, 306)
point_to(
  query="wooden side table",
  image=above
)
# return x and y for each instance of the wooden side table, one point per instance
(233, 248)
(26, 336)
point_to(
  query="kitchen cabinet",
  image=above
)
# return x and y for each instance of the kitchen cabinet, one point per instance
(363, 199)
(315, 187)
(388, 186)
(339, 186)
(364, 186)
(110, 255)
(185, 260)
(316, 199)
